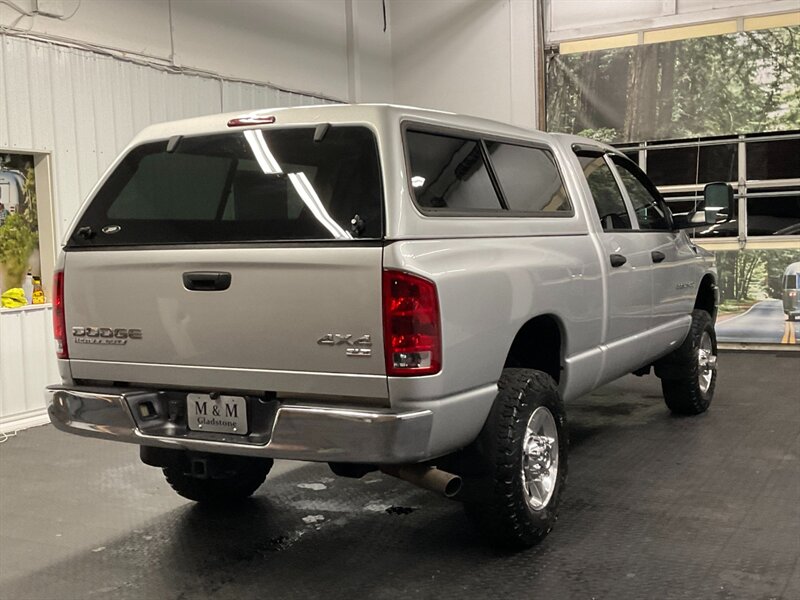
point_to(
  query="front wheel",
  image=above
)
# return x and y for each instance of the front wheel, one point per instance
(522, 451)
(689, 374)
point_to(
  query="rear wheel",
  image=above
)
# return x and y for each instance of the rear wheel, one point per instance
(522, 451)
(220, 481)
(689, 374)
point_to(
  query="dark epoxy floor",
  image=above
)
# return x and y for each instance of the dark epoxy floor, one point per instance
(655, 507)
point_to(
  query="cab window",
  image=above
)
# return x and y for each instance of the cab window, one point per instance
(607, 197)
(647, 205)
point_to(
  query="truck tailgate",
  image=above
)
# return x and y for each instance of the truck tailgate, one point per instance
(288, 309)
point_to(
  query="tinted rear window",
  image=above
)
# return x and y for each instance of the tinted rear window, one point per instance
(529, 178)
(449, 173)
(252, 185)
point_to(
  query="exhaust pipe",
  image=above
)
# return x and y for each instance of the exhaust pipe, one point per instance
(429, 478)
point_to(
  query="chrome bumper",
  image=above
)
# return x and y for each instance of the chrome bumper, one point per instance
(295, 431)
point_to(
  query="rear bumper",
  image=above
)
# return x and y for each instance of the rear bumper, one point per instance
(292, 431)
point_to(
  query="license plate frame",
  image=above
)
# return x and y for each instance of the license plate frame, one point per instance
(216, 413)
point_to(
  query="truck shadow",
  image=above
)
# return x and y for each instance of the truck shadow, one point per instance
(630, 402)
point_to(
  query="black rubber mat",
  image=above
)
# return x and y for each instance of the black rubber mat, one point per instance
(655, 507)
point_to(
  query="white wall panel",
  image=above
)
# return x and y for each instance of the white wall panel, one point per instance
(467, 56)
(27, 361)
(580, 13)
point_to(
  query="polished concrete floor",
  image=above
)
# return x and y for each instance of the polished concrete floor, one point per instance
(655, 507)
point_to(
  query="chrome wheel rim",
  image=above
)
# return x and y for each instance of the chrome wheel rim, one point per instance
(540, 458)
(706, 362)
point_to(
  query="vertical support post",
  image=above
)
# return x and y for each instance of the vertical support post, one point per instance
(742, 192)
(540, 119)
(353, 74)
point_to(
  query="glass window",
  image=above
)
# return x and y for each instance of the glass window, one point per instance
(646, 205)
(449, 173)
(771, 214)
(607, 197)
(251, 185)
(671, 166)
(718, 163)
(791, 282)
(529, 178)
(682, 166)
(778, 159)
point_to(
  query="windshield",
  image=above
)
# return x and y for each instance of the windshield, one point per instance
(252, 185)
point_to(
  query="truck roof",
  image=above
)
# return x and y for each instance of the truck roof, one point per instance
(339, 113)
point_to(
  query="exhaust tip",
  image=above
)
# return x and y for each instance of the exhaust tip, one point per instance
(453, 487)
(429, 478)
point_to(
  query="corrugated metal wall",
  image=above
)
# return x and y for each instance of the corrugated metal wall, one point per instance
(82, 108)
(27, 363)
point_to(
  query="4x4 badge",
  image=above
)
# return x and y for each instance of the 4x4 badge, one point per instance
(360, 346)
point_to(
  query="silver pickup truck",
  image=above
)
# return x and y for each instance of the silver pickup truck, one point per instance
(378, 288)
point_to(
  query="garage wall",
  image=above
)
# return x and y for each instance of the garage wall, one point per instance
(27, 365)
(298, 44)
(468, 56)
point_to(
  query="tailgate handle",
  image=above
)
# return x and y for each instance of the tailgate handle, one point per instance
(206, 281)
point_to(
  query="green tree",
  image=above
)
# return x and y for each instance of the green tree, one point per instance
(737, 83)
(17, 241)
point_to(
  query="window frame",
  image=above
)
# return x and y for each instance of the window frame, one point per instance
(481, 138)
(585, 151)
(642, 178)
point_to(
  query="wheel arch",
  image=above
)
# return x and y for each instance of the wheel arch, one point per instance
(708, 296)
(539, 344)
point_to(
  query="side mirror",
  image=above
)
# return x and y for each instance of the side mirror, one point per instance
(717, 203)
(717, 207)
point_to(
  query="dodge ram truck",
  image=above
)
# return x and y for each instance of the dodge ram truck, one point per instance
(378, 288)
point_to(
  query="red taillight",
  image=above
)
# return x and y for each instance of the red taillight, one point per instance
(412, 330)
(59, 322)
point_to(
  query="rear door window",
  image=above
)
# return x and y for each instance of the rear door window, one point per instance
(449, 173)
(647, 205)
(529, 178)
(608, 199)
(251, 185)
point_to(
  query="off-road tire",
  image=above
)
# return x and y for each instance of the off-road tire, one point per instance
(504, 516)
(237, 482)
(680, 371)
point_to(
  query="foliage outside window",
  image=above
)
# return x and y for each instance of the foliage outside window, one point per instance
(19, 231)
